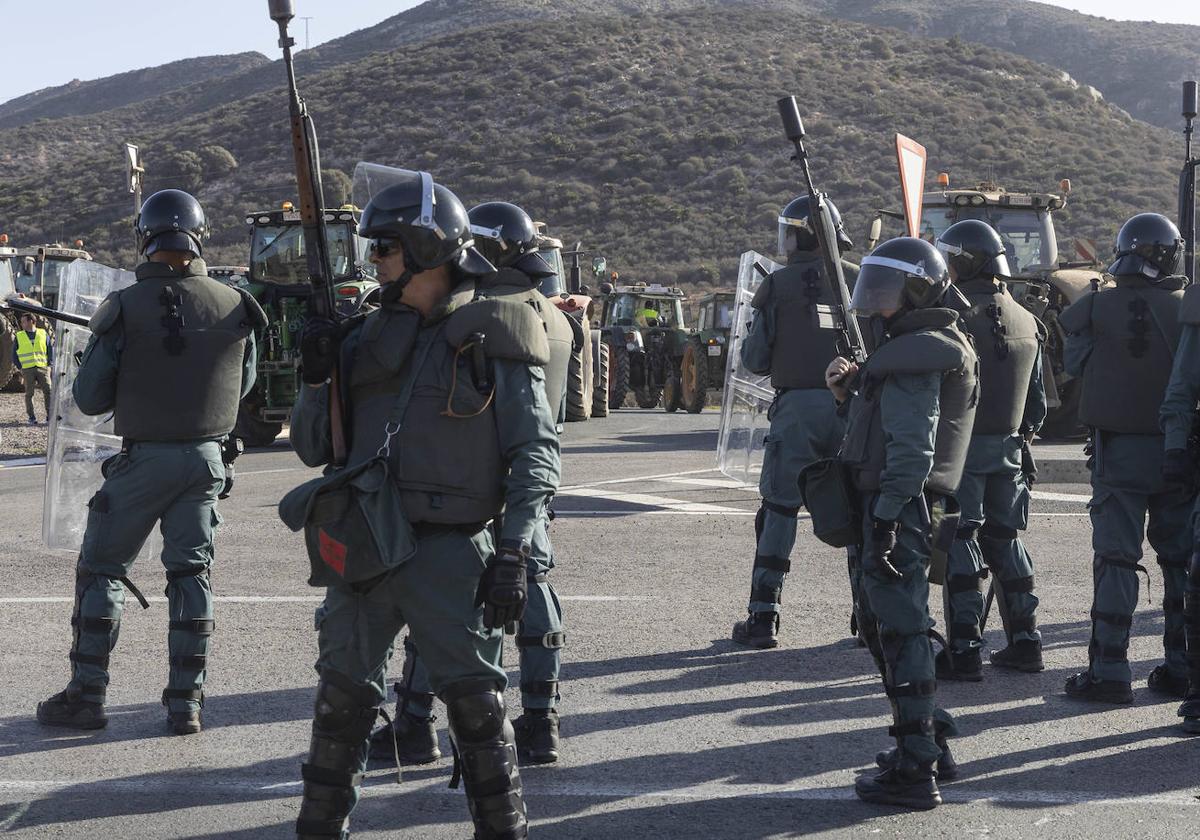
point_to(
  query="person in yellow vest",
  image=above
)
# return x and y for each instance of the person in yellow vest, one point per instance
(33, 354)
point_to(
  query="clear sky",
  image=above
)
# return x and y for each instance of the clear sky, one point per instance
(90, 39)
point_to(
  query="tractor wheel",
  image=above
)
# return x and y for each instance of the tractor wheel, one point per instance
(8, 372)
(579, 404)
(647, 397)
(253, 431)
(693, 371)
(618, 375)
(673, 393)
(600, 391)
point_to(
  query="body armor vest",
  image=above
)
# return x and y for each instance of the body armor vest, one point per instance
(800, 349)
(512, 284)
(1007, 338)
(1135, 330)
(923, 341)
(180, 376)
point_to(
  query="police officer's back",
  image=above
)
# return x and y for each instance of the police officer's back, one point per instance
(170, 356)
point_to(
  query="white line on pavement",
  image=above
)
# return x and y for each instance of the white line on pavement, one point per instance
(383, 785)
(633, 479)
(1059, 497)
(587, 514)
(287, 599)
(648, 500)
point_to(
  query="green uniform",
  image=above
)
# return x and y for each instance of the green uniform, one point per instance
(785, 341)
(906, 441)
(462, 455)
(1126, 338)
(1178, 418)
(173, 386)
(993, 496)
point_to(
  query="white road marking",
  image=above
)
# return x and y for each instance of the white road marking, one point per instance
(648, 500)
(241, 473)
(1059, 497)
(287, 599)
(588, 514)
(23, 463)
(383, 784)
(633, 479)
(715, 483)
(18, 812)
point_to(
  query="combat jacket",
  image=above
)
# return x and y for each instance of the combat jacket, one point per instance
(1122, 341)
(1008, 340)
(912, 411)
(784, 339)
(467, 447)
(172, 355)
(1178, 413)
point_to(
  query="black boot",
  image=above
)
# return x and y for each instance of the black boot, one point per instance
(537, 736)
(1025, 655)
(486, 754)
(907, 783)
(416, 740)
(959, 667)
(68, 709)
(759, 630)
(1083, 687)
(946, 766)
(1190, 712)
(184, 723)
(1162, 681)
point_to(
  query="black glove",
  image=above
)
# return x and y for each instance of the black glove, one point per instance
(318, 350)
(503, 591)
(881, 546)
(1178, 468)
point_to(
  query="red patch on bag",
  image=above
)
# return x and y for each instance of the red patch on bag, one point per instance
(332, 552)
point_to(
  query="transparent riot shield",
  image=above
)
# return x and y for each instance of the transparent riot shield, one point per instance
(78, 443)
(747, 395)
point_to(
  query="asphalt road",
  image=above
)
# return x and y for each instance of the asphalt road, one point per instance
(670, 730)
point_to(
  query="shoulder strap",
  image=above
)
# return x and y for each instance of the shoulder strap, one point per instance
(396, 418)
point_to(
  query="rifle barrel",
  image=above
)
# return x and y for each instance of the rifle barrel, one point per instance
(22, 305)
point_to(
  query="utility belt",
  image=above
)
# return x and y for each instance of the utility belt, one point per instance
(429, 530)
(231, 448)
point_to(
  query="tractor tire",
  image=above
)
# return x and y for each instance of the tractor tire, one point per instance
(1062, 423)
(8, 371)
(693, 372)
(255, 432)
(618, 375)
(579, 402)
(600, 391)
(647, 397)
(672, 393)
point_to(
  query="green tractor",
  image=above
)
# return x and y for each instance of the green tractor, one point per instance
(645, 331)
(277, 276)
(706, 353)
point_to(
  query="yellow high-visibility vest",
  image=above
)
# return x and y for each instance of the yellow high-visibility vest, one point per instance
(32, 353)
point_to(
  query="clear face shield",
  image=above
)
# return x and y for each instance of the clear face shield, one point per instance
(789, 233)
(879, 289)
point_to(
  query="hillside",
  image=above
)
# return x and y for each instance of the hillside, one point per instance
(654, 137)
(91, 97)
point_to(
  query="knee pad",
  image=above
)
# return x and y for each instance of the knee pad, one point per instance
(475, 711)
(345, 710)
(782, 510)
(775, 564)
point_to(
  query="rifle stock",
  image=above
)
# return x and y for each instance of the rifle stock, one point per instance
(850, 340)
(312, 213)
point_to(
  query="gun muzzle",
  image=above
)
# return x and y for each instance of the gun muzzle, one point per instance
(790, 112)
(1189, 100)
(282, 11)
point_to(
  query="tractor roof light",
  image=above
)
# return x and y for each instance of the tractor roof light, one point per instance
(943, 180)
(287, 206)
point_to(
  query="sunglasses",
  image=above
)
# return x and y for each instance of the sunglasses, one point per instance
(380, 248)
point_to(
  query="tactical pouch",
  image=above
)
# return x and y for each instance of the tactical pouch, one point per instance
(944, 520)
(353, 522)
(829, 495)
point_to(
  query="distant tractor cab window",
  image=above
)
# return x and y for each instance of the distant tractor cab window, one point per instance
(724, 316)
(277, 253)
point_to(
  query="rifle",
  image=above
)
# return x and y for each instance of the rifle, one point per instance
(850, 341)
(1187, 183)
(321, 304)
(22, 305)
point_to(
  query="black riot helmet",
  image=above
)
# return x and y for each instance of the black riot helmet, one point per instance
(507, 237)
(1148, 244)
(900, 274)
(972, 249)
(797, 232)
(171, 220)
(427, 222)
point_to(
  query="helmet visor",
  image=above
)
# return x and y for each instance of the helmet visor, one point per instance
(881, 285)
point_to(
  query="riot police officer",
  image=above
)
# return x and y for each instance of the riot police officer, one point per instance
(1178, 421)
(477, 435)
(993, 496)
(785, 341)
(920, 386)
(507, 237)
(1122, 342)
(171, 356)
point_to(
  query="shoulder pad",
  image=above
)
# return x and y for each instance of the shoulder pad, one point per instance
(106, 315)
(763, 294)
(1078, 316)
(1189, 308)
(512, 330)
(919, 352)
(257, 318)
